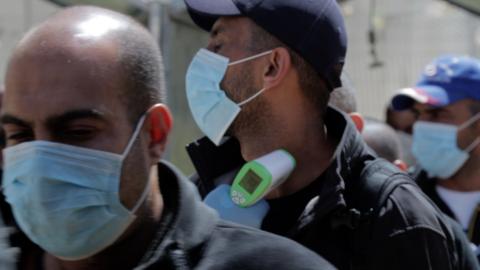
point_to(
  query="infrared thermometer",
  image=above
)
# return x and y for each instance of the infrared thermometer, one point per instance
(260, 176)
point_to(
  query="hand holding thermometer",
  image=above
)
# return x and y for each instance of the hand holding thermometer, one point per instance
(220, 200)
(260, 176)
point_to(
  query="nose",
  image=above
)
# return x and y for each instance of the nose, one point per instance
(42, 134)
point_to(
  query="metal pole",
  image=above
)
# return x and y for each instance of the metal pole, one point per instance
(155, 19)
(27, 13)
(159, 26)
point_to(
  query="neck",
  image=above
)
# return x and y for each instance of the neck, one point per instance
(305, 139)
(121, 255)
(466, 179)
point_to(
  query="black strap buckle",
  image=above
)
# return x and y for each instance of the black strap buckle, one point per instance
(350, 218)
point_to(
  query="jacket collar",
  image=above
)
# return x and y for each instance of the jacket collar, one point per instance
(346, 165)
(186, 221)
(351, 151)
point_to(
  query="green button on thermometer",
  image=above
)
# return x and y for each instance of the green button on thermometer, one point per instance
(258, 177)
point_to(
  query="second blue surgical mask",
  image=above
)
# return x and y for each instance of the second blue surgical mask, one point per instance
(212, 110)
(435, 147)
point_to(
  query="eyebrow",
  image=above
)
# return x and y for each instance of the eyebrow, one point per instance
(10, 119)
(73, 115)
(435, 110)
(57, 120)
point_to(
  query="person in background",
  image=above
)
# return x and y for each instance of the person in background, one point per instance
(384, 141)
(86, 128)
(265, 80)
(344, 98)
(8, 253)
(401, 121)
(446, 102)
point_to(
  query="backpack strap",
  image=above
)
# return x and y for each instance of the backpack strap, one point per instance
(378, 180)
(367, 195)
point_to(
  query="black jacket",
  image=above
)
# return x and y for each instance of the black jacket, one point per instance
(407, 232)
(428, 187)
(192, 237)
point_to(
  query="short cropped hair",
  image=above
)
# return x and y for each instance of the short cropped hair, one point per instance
(382, 139)
(141, 61)
(344, 98)
(312, 84)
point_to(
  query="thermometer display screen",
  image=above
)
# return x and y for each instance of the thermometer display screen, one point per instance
(250, 181)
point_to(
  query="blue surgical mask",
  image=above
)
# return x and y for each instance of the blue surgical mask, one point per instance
(66, 198)
(212, 110)
(435, 147)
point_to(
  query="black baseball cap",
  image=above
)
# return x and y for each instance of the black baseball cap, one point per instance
(313, 28)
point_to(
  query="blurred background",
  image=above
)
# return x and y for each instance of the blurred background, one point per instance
(390, 42)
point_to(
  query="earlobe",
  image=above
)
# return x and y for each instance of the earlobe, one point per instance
(357, 119)
(160, 123)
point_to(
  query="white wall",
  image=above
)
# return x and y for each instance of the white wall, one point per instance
(410, 34)
(16, 17)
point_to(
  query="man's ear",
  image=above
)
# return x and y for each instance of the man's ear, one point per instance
(358, 120)
(159, 123)
(279, 63)
(401, 165)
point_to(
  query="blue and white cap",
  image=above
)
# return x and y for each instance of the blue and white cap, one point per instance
(446, 80)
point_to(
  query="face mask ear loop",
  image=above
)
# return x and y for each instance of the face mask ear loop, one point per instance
(125, 153)
(142, 198)
(134, 136)
(250, 58)
(473, 145)
(470, 121)
(252, 97)
(245, 60)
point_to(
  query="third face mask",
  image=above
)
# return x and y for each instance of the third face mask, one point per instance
(212, 110)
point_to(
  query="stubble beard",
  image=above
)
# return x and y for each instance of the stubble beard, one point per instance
(252, 118)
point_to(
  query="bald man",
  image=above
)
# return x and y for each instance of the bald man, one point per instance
(86, 128)
(344, 98)
(383, 140)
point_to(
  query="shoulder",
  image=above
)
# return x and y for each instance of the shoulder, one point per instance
(414, 233)
(409, 211)
(401, 206)
(233, 246)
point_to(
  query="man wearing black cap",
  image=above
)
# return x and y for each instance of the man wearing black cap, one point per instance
(264, 80)
(446, 137)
